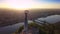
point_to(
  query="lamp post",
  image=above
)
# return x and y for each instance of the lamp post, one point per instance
(26, 22)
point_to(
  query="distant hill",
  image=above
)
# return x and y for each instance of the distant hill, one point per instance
(9, 16)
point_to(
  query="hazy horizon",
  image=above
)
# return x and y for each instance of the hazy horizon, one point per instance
(30, 4)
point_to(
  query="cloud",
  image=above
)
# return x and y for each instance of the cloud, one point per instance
(49, 1)
(2, 1)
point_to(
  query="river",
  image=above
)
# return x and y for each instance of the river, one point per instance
(11, 28)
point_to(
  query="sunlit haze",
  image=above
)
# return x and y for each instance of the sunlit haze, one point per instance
(29, 4)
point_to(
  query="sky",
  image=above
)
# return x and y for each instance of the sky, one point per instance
(27, 4)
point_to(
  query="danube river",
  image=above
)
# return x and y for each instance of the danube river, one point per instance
(11, 28)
